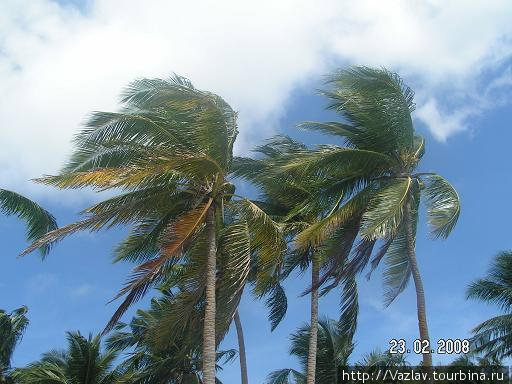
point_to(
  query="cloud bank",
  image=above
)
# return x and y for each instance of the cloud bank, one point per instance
(59, 61)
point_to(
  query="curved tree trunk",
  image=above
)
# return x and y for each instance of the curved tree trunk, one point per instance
(209, 311)
(420, 293)
(313, 330)
(241, 349)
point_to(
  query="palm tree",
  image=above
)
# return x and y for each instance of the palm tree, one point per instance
(379, 359)
(81, 363)
(493, 337)
(287, 200)
(38, 220)
(178, 362)
(334, 349)
(12, 327)
(373, 181)
(170, 150)
(469, 360)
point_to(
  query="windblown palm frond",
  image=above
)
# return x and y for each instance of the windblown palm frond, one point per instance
(38, 220)
(493, 337)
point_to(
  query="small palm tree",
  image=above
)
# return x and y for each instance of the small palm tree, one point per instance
(373, 184)
(38, 220)
(469, 360)
(170, 151)
(12, 327)
(334, 349)
(148, 361)
(379, 359)
(493, 337)
(81, 363)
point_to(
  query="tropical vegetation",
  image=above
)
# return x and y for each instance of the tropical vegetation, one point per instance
(37, 219)
(338, 211)
(169, 151)
(493, 337)
(373, 185)
(12, 327)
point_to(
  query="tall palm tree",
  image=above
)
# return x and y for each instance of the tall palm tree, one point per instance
(82, 362)
(288, 200)
(374, 180)
(334, 349)
(12, 327)
(148, 362)
(38, 220)
(493, 337)
(170, 150)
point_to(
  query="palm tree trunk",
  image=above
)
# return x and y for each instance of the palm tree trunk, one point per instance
(241, 349)
(313, 331)
(209, 311)
(420, 293)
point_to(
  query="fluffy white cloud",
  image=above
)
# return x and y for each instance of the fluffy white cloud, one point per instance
(58, 62)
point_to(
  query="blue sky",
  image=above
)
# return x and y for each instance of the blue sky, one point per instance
(59, 62)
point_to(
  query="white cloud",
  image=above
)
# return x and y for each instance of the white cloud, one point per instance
(81, 291)
(58, 63)
(442, 124)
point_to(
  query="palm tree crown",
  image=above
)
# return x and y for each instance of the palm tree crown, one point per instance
(334, 350)
(12, 327)
(493, 337)
(82, 362)
(170, 151)
(372, 184)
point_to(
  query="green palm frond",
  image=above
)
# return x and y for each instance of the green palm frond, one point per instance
(493, 337)
(397, 270)
(331, 128)
(377, 358)
(443, 205)
(286, 376)
(321, 230)
(150, 273)
(267, 241)
(378, 104)
(83, 362)
(349, 306)
(336, 161)
(384, 212)
(38, 220)
(277, 303)
(333, 350)
(496, 287)
(12, 328)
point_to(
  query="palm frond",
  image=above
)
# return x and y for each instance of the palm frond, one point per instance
(384, 212)
(149, 273)
(277, 303)
(38, 220)
(443, 205)
(378, 104)
(285, 376)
